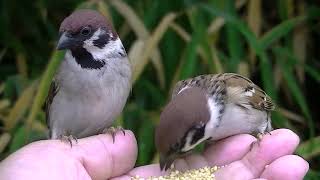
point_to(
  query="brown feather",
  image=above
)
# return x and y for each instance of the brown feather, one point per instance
(260, 100)
(53, 90)
(86, 17)
(187, 109)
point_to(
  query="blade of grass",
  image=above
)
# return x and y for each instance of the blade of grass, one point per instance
(4, 104)
(104, 9)
(254, 20)
(4, 141)
(141, 31)
(300, 38)
(267, 75)
(233, 40)
(238, 24)
(288, 74)
(218, 22)
(280, 31)
(2, 53)
(313, 72)
(291, 115)
(189, 60)
(44, 85)
(310, 148)
(22, 64)
(198, 24)
(186, 37)
(20, 107)
(151, 43)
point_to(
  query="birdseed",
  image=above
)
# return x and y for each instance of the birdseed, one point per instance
(204, 173)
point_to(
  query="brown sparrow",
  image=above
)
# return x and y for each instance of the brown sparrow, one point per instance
(93, 81)
(212, 107)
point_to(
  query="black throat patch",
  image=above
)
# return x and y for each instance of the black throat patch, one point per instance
(85, 59)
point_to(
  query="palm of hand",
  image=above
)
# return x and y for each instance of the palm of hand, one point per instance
(98, 157)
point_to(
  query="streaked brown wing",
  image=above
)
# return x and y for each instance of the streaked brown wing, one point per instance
(259, 100)
(53, 90)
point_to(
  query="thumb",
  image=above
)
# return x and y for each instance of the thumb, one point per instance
(103, 158)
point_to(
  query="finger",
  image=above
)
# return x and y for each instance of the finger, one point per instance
(147, 171)
(228, 150)
(281, 142)
(195, 161)
(286, 167)
(103, 158)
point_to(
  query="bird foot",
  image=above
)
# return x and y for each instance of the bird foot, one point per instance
(68, 139)
(113, 131)
(259, 137)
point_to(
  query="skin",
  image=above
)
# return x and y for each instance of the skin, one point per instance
(99, 158)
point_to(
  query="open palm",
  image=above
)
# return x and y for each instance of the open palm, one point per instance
(97, 157)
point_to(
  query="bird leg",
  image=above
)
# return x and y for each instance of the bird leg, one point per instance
(68, 139)
(113, 131)
(259, 137)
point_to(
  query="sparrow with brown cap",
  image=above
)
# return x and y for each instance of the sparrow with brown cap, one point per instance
(210, 107)
(93, 82)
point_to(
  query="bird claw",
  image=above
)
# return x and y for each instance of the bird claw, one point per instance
(259, 137)
(68, 139)
(113, 131)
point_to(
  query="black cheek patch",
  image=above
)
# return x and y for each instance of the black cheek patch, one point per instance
(102, 40)
(86, 60)
(198, 134)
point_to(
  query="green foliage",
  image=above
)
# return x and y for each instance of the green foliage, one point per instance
(273, 43)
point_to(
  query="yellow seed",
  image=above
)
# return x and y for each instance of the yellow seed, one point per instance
(204, 173)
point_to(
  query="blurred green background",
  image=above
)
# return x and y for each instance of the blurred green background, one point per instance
(274, 43)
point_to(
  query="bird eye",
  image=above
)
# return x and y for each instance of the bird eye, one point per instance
(85, 31)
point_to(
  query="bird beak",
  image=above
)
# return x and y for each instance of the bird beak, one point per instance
(166, 161)
(66, 41)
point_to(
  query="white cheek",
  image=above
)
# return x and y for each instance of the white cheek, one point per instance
(250, 93)
(111, 49)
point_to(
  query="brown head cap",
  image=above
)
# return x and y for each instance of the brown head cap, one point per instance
(187, 109)
(85, 17)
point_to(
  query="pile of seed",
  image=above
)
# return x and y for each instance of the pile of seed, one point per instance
(204, 173)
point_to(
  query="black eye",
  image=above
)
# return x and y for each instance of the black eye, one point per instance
(85, 31)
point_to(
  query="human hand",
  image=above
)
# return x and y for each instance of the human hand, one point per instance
(97, 157)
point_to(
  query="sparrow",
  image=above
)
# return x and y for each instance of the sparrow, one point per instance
(92, 83)
(210, 107)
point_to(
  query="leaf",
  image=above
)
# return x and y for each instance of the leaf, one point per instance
(44, 85)
(280, 30)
